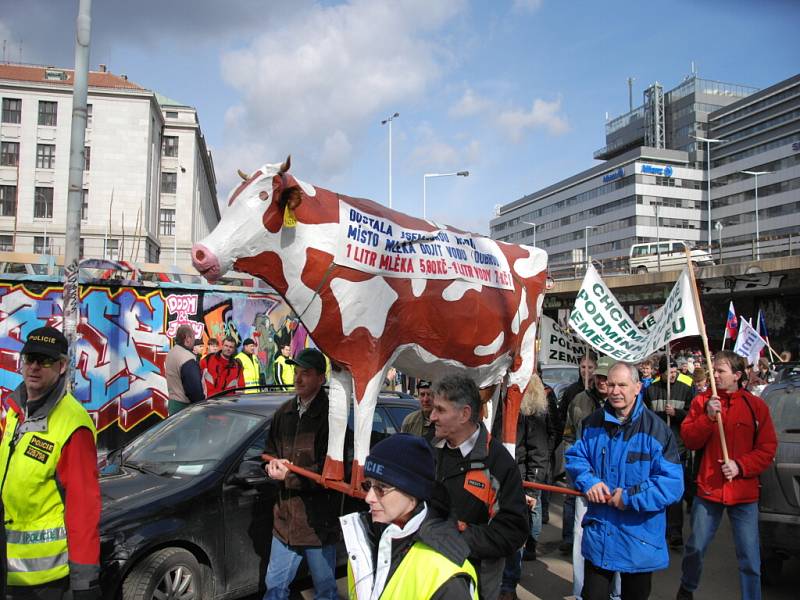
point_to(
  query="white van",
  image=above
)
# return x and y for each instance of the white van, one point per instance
(644, 257)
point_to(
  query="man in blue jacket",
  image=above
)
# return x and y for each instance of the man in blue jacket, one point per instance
(626, 462)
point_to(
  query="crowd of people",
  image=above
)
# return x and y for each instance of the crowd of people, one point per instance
(448, 516)
(640, 443)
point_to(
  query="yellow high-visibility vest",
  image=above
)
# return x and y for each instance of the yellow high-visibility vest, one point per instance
(421, 573)
(36, 531)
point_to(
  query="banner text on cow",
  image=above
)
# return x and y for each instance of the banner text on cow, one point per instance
(599, 319)
(378, 245)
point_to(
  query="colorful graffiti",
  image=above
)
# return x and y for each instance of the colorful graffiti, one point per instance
(125, 335)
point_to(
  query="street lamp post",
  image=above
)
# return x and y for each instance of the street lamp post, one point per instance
(425, 187)
(534, 230)
(718, 227)
(758, 233)
(586, 245)
(384, 122)
(708, 142)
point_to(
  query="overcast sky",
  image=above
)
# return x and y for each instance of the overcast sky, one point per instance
(515, 91)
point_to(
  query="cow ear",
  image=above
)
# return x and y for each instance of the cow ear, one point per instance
(286, 165)
(292, 193)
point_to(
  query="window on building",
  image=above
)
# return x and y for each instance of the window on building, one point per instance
(88, 115)
(9, 154)
(81, 246)
(45, 156)
(172, 114)
(6, 243)
(42, 244)
(48, 113)
(166, 223)
(170, 145)
(87, 157)
(153, 252)
(43, 203)
(112, 249)
(12, 110)
(169, 183)
(84, 205)
(8, 200)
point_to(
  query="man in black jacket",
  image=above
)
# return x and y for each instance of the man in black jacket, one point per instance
(481, 479)
(673, 408)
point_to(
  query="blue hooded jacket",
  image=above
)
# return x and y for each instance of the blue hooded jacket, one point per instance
(641, 457)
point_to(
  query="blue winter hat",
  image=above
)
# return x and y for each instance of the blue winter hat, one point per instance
(404, 461)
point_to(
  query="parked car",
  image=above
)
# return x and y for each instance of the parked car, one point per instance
(645, 257)
(779, 505)
(187, 506)
(559, 377)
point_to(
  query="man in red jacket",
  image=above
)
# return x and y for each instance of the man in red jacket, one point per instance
(731, 484)
(222, 371)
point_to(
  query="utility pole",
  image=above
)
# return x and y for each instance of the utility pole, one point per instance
(77, 162)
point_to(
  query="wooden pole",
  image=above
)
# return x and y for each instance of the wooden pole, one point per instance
(339, 486)
(557, 489)
(702, 327)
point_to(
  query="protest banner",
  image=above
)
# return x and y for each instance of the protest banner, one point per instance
(748, 343)
(558, 345)
(376, 244)
(599, 319)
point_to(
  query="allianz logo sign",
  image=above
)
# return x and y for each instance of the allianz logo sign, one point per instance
(653, 170)
(618, 174)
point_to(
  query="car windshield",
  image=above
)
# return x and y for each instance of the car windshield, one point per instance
(190, 442)
(556, 375)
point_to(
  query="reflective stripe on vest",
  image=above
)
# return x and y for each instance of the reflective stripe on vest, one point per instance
(420, 575)
(37, 549)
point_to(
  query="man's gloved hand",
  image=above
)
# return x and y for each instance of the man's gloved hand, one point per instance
(93, 593)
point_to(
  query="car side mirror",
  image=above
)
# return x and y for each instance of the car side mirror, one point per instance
(250, 473)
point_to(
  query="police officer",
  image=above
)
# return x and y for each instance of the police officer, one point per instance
(48, 469)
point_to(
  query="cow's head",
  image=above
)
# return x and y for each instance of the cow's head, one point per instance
(259, 202)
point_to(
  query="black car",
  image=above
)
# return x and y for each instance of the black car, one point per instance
(187, 507)
(779, 503)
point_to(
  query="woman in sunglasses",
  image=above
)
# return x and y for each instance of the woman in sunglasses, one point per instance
(403, 547)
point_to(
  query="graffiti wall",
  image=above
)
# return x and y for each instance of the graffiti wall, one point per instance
(125, 334)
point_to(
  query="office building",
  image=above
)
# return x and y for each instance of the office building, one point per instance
(148, 183)
(761, 134)
(650, 186)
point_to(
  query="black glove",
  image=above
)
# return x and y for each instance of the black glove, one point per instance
(93, 593)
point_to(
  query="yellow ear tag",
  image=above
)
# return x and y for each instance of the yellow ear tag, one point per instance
(289, 220)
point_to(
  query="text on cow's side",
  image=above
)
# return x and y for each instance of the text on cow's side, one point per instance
(378, 245)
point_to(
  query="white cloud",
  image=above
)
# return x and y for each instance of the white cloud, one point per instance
(527, 5)
(310, 85)
(470, 104)
(542, 115)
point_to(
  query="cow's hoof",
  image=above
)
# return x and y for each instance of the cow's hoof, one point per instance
(333, 470)
(356, 479)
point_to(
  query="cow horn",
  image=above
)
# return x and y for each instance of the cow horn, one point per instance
(242, 174)
(286, 165)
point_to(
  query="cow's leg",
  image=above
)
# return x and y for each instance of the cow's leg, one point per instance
(340, 391)
(523, 368)
(363, 411)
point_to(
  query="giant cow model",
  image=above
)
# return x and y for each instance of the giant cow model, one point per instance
(376, 288)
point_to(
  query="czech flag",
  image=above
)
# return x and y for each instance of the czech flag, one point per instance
(731, 325)
(761, 328)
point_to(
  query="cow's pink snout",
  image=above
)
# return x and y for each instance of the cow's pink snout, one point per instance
(205, 262)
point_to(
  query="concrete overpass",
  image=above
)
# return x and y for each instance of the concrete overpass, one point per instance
(772, 285)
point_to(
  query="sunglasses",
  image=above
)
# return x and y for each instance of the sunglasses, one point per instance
(379, 489)
(44, 361)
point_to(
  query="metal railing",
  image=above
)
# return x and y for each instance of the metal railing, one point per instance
(729, 253)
